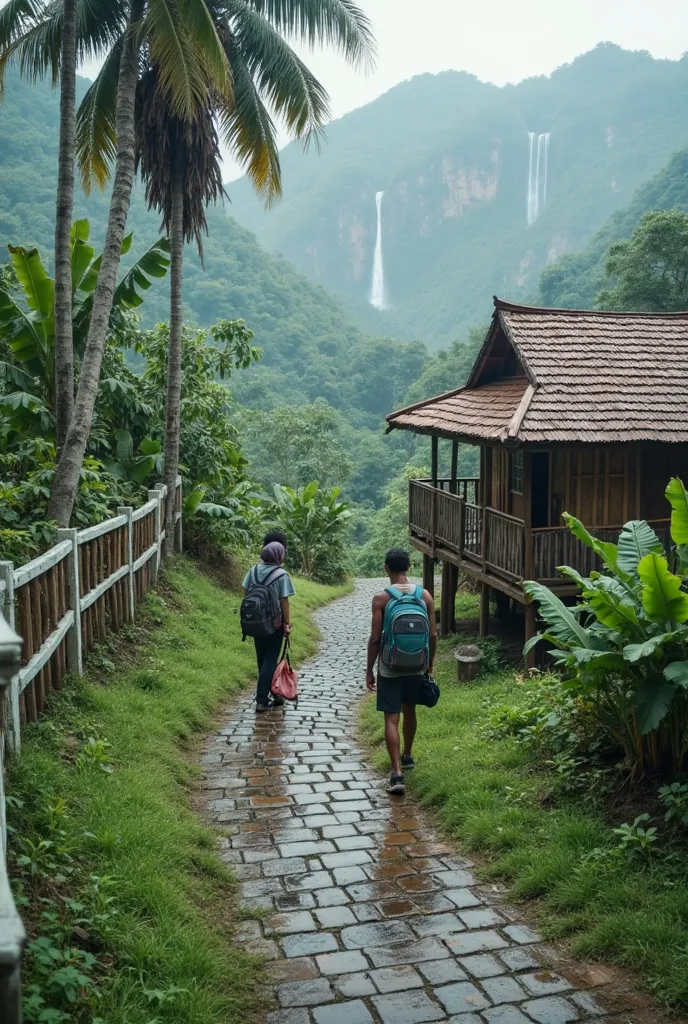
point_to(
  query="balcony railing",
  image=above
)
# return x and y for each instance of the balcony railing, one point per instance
(496, 543)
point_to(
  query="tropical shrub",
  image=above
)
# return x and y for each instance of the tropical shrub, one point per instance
(623, 648)
(315, 521)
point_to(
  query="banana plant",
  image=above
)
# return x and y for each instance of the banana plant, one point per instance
(624, 646)
(132, 466)
(27, 328)
(311, 517)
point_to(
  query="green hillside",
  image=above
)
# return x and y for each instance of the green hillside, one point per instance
(311, 347)
(452, 155)
(574, 281)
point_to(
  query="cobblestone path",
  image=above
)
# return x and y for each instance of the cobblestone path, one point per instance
(372, 919)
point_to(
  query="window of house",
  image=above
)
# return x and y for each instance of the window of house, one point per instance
(517, 472)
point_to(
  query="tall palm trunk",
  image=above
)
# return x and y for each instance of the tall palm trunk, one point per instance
(174, 356)
(66, 480)
(64, 348)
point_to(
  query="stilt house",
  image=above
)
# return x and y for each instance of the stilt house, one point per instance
(574, 411)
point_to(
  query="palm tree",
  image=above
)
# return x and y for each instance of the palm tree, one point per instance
(19, 17)
(181, 164)
(180, 159)
(182, 39)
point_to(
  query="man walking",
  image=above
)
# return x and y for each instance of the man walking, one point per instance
(266, 614)
(403, 641)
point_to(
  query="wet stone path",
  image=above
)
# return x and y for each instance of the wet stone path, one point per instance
(369, 916)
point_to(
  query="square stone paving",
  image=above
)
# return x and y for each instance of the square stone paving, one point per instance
(371, 918)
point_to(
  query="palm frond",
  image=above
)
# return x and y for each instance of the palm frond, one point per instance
(37, 51)
(281, 77)
(246, 126)
(196, 16)
(17, 17)
(337, 23)
(99, 26)
(96, 131)
(180, 64)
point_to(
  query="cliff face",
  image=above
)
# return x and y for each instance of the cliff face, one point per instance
(483, 187)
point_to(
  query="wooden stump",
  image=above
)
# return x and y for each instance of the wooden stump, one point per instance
(468, 658)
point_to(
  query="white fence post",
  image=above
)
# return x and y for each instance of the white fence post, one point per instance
(157, 493)
(75, 658)
(178, 522)
(12, 935)
(12, 692)
(127, 510)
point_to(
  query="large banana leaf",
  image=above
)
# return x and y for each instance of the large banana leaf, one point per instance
(653, 702)
(564, 624)
(154, 264)
(612, 604)
(19, 330)
(677, 496)
(634, 652)
(607, 552)
(663, 599)
(37, 285)
(636, 540)
(677, 673)
(82, 254)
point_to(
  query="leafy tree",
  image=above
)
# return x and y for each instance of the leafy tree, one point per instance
(296, 444)
(447, 370)
(650, 268)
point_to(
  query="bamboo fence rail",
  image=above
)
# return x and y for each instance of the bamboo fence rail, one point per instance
(52, 610)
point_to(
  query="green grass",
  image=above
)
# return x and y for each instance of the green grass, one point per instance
(494, 796)
(167, 905)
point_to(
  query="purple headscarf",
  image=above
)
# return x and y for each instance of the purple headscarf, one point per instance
(273, 553)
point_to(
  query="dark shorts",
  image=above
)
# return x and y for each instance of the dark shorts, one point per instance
(394, 691)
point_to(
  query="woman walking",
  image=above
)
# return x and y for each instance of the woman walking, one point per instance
(267, 589)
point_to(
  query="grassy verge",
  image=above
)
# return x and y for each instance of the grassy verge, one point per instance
(499, 798)
(130, 910)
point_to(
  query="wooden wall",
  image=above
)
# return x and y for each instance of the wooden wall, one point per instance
(603, 485)
(607, 485)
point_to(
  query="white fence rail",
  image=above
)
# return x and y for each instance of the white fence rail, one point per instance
(51, 610)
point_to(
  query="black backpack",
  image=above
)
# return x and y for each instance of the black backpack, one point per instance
(261, 608)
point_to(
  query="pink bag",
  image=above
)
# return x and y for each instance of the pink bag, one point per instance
(285, 682)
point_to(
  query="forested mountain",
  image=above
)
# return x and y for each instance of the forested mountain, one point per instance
(312, 350)
(311, 347)
(575, 280)
(464, 167)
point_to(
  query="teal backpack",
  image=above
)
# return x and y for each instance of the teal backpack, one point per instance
(406, 633)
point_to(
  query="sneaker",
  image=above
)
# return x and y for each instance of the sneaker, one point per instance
(396, 784)
(278, 702)
(262, 705)
(407, 762)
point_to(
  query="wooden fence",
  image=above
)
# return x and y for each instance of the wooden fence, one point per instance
(52, 610)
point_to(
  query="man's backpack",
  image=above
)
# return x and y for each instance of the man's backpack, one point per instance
(261, 612)
(406, 632)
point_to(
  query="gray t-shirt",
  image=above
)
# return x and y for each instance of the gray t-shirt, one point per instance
(260, 573)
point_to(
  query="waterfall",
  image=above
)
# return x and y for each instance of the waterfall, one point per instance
(377, 285)
(538, 159)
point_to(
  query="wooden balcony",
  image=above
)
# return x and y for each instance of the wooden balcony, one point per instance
(496, 548)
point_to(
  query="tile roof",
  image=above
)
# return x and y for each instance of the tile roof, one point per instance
(596, 377)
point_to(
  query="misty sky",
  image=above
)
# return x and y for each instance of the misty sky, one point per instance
(498, 40)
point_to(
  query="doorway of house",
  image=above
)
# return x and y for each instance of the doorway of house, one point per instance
(540, 489)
